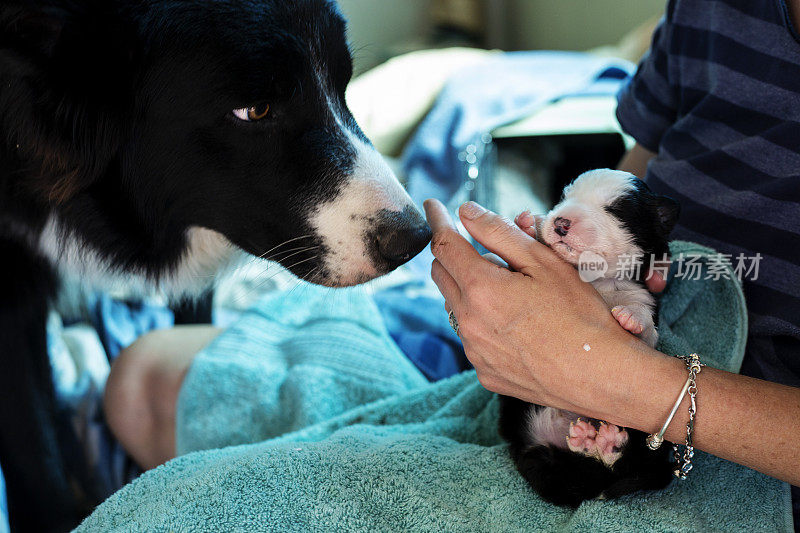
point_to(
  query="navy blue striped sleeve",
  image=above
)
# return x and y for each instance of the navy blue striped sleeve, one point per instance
(647, 104)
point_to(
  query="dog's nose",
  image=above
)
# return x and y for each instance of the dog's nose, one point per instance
(562, 226)
(401, 235)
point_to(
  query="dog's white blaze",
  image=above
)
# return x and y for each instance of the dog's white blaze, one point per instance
(343, 222)
(207, 253)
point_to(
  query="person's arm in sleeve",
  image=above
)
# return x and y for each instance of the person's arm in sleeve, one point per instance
(648, 104)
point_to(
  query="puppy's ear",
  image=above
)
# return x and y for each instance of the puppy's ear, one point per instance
(668, 212)
(65, 98)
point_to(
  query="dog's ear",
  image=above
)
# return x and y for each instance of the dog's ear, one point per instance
(668, 212)
(65, 98)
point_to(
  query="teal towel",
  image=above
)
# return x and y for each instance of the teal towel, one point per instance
(423, 458)
(294, 360)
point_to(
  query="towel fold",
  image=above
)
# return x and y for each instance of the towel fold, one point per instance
(294, 360)
(422, 458)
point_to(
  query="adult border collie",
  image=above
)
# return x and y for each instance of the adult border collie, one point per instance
(150, 140)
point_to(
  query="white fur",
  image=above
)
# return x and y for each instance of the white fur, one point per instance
(623, 292)
(635, 299)
(207, 253)
(548, 426)
(343, 222)
(600, 187)
(593, 228)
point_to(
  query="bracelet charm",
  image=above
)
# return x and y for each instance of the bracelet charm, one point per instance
(685, 462)
(654, 441)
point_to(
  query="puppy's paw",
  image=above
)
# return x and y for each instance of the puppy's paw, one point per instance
(581, 437)
(627, 318)
(609, 441)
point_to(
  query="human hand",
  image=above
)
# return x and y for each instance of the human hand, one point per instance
(525, 329)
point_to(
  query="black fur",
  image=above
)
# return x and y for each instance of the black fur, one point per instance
(103, 99)
(565, 478)
(649, 217)
(38, 477)
(115, 117)
(561, 476)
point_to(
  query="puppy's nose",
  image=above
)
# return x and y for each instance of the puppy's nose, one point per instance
(401, 235)
(562, 225)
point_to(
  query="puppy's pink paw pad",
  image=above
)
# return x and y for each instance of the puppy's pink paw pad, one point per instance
(626, 319)
(581, 437)
(609, 441)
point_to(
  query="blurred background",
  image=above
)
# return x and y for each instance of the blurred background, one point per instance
(380, 29)
(431, 73)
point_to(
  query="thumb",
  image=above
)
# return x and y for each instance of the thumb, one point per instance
(499, 236)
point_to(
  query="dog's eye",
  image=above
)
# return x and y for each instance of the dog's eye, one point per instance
(252, 114)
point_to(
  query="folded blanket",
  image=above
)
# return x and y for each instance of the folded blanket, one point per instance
(426, 458)
(293, 361)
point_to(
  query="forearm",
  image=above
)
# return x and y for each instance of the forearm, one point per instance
(741, 419)
(635, 160)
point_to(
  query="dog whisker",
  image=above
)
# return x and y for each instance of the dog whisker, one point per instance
(274, 258)
(296, 251)
(268, 279)
(245, 268)
(304, 279)
(284, 243)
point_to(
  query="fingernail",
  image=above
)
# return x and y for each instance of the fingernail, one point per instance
(471, 210)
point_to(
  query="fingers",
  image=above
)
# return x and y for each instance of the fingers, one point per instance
(461, 261)
(447, 286)
(496, 259)
(499, 236)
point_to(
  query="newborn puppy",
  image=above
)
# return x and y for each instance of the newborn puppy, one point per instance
(608, 218)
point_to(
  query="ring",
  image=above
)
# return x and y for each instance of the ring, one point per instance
(453, 322)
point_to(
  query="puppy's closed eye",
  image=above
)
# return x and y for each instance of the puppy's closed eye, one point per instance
(252, 114)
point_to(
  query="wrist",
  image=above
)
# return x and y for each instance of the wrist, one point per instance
(636, 387)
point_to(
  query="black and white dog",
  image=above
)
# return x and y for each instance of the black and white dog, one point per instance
(150, 140)
(612, 218)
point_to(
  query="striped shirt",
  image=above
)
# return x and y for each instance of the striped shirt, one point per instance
(717, 98)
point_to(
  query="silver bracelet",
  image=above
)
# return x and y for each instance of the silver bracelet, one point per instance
(654, 441)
